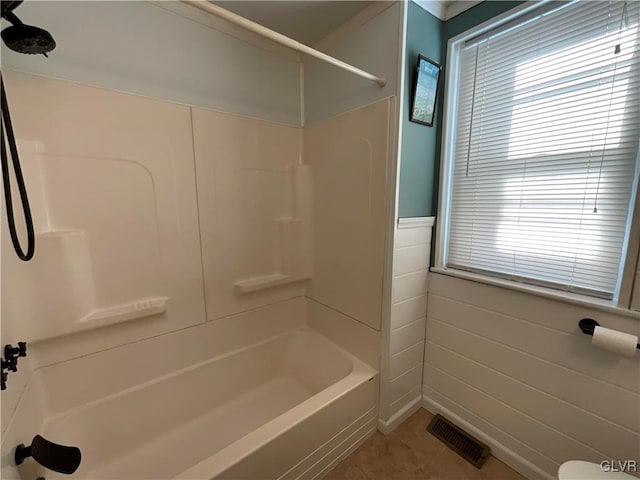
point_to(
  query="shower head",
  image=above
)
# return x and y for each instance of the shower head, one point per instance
(28, 39)
(23, 38)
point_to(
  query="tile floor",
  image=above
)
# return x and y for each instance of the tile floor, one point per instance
(410, 453)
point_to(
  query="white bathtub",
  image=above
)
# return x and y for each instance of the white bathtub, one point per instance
(287, 407)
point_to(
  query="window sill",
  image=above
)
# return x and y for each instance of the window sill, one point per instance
(573, 298)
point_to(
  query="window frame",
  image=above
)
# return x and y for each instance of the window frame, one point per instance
(621, 303)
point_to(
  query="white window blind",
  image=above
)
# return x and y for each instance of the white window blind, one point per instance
(545, 147)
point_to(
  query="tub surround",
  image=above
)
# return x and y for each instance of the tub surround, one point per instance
(349, 333)
(254, 211)
(271, 195)
(240, 209)
(184, 56)
(348, 155)
(130, 247)
(264, 216)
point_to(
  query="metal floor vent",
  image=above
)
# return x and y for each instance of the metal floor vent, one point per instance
(468, 447)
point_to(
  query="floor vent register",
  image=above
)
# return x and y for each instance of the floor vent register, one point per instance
(465, 445)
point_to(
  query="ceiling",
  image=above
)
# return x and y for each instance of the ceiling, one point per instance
(305, 21)
(446, 9)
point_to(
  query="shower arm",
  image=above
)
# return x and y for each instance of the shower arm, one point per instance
(239, 20)
(11, 17)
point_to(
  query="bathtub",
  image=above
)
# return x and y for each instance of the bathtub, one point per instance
(287, 407)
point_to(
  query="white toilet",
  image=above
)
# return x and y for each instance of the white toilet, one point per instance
(579, 470)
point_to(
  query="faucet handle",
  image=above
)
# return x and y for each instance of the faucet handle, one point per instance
(11, 352)
(10, 364)
(59, 458)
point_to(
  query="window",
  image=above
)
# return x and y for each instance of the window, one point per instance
(541, 147)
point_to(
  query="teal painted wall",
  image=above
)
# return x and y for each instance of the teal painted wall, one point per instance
(417, 161)
(420, 154)
(475, 16)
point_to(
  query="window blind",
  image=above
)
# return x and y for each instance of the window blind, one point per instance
(545, 148)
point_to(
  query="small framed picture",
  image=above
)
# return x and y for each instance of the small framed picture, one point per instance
(425, 91)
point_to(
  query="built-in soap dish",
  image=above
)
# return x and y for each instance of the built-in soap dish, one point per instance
(253, 284)
(122, 313)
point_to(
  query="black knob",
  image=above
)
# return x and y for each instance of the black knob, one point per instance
(588, 326)
(9, 364)
(11, 352)
(59, 458)
(12, 365)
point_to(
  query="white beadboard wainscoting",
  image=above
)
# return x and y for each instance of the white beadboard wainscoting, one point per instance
(514, 369)
(635, 299)
(411, 255)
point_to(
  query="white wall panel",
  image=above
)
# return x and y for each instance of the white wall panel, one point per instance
(373, 46)
(407, 311)
(605, 437)
(405, 382)
(543, 439)
(416, 235)
(63, 391)
(407, 336)
(118, 170)
(574, 387)
(516, 367)
(173, 58)
(409, 259)
(409, 285)
(406, 359)
(352, 335)
(635, 296)
(349, 156)
(555, 314)
(245, 177)
(402, 377)
(571, 350)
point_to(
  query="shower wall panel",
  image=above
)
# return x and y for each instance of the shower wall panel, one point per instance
(254, 211)
(349, 156)
(165, 50)
(373, 41)
(111, 180)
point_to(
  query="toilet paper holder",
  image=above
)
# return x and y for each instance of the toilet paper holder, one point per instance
(588, 325)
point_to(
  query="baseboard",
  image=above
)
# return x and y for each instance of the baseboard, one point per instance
(498, 450)
(388, 426)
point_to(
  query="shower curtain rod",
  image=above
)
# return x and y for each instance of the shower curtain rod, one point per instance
(239, 20)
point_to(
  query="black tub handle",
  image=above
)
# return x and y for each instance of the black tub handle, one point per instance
(59, 458)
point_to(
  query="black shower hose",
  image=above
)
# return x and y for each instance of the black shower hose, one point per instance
(6, 181)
